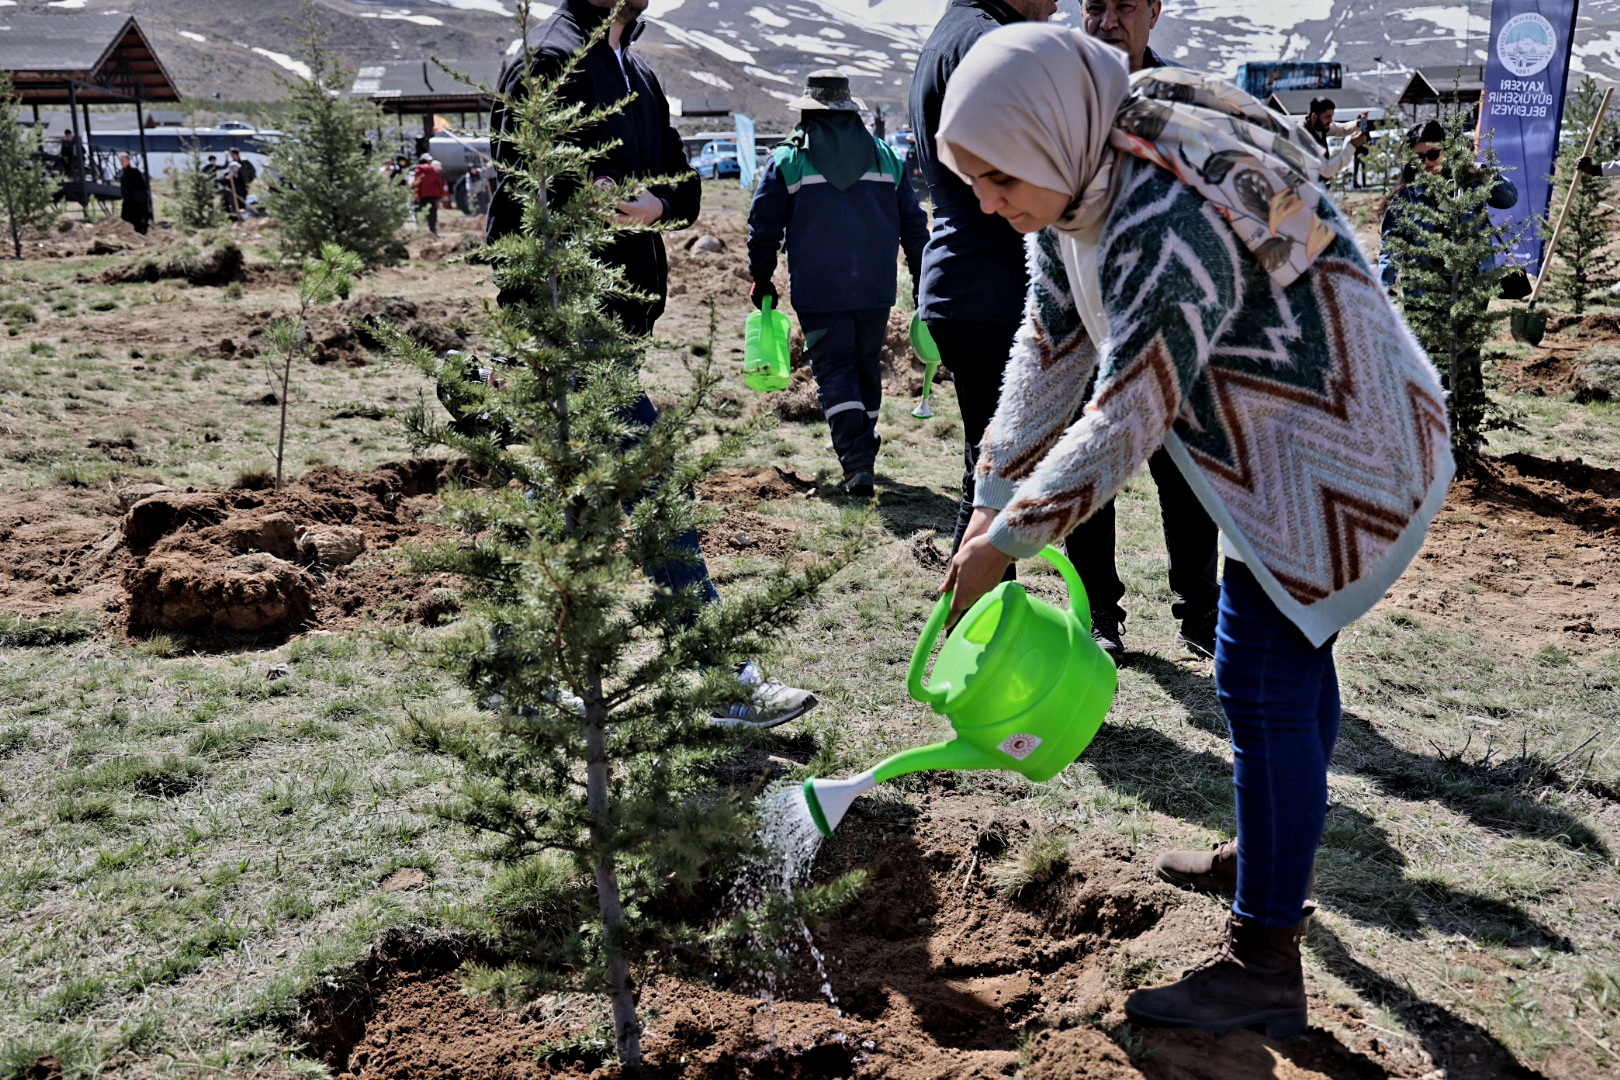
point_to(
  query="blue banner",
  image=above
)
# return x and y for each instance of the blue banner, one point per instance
(747, 156)
(1525, 77)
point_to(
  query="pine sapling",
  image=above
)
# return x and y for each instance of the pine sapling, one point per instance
(324, 280)
(1584, 265)
(196, 205)
(329, 187)
(592, 775)
(1448, 253)
(26, 190)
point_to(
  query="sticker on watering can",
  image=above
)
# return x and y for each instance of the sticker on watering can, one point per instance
(1019, 747)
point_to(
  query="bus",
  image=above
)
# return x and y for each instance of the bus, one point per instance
(169, 149)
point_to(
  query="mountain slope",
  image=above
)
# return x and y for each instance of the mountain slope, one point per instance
(754, 54)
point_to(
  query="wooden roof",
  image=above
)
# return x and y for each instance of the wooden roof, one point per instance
(1450, 85)
(1298, 102)
(421, 87)
(105, 59)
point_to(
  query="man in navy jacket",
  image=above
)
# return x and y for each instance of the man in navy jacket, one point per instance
(840, 198)
(648, 146)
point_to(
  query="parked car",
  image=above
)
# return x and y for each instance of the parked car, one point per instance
(717, 159)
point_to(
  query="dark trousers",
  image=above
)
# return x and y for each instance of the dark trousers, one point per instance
(846, 357)
(432, 214)
(688, 568)
(976, 355)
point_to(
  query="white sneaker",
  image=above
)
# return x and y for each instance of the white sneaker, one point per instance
(769, 702)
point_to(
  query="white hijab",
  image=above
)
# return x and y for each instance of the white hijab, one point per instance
(1049, 123)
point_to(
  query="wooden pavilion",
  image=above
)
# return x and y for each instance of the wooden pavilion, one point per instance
(80, 59)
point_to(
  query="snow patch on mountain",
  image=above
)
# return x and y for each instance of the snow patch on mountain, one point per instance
(297, 67)
(403, 15)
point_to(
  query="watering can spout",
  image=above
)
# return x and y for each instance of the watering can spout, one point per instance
(955, 754)
(829, 800)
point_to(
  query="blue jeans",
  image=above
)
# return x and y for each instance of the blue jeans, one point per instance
(1281, 699)
(691, 570)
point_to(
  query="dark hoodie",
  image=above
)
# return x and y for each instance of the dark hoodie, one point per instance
(973, 267)
(649, 145)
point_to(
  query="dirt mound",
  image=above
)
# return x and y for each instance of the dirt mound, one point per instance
(1559, 374)
(222, 562)
(248, 594)
(750, 487)
(211, 266)
(937, 974)
(1526, 550)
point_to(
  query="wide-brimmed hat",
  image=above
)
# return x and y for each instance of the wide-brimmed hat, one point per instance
(826, 89)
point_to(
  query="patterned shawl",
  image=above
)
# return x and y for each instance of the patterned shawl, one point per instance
(1032, 98)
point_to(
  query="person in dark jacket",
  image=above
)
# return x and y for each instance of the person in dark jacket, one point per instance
(644, 145)
(135, 195)
(1426, 141)
(648, 145)
(839, 197)
(971, 292)
(1190, 537)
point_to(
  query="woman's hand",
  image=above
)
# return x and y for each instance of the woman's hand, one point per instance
(977, 567)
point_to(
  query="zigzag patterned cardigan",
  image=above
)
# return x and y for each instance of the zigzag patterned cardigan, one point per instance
(1307, 419)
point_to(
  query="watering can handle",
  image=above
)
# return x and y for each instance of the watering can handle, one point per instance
(925, 646)
(1078, 602)
(767, 325)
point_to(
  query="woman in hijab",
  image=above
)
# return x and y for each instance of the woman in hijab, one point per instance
(1182, 252)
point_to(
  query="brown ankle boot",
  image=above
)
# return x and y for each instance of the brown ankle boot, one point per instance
(1254, 981)
(1213, 871)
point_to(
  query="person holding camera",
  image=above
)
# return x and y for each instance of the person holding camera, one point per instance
(1319, 125)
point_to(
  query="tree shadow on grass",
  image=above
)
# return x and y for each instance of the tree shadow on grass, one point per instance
(1495, 796)
(1492, 797)
(906, 508)
(1359, 871)
(1460, 1047)
(1192, 690)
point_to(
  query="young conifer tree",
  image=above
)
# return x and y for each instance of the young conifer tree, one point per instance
(598, 751)
(26, 189)
(328, 188)
(325, 280)
(1447, 250)
(195, 194)
(1585, 265)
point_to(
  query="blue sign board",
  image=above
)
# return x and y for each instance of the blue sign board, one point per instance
(1525, 77)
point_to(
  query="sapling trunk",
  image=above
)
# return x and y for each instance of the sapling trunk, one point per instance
(621, 990)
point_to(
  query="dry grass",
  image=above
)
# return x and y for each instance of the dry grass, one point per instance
(191, 844)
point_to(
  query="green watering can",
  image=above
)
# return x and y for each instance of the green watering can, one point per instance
(765, 349)
(1024, 684)
(922, 343)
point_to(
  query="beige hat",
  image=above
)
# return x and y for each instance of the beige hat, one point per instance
(826, 89)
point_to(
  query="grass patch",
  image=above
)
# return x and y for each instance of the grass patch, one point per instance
(46, 631)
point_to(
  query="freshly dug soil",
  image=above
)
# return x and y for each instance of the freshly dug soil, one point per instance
(936, 974)
(315, 554)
